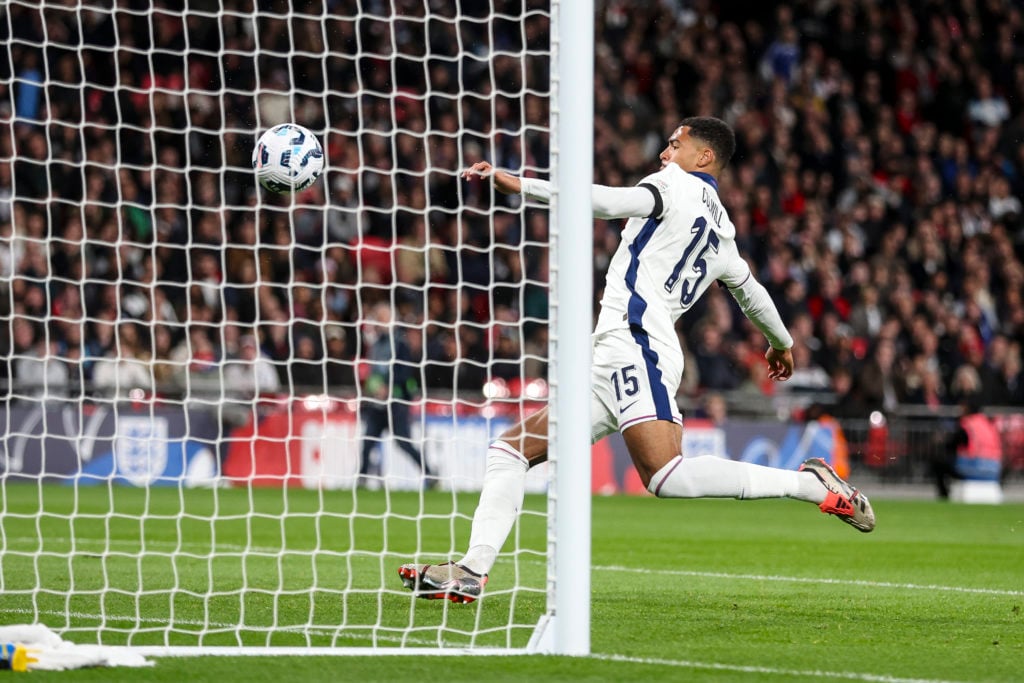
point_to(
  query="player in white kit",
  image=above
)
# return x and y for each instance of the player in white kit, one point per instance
(678, 241)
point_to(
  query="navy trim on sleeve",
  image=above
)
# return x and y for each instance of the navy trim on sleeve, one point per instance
(659, 205)
(742, 283)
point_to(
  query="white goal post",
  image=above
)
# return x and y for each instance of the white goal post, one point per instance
(191, 364)
(573, 115)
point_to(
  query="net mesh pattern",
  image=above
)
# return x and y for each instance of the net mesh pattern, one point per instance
(190, 363)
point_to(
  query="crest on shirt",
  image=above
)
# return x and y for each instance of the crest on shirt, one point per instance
(658, 183)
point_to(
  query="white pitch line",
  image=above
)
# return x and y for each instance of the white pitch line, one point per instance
(182, 547)
(788, 673)
(814, 580)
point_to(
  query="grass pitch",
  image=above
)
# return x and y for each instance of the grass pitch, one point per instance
(682, 590)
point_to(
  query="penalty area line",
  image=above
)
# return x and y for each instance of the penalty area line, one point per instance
(766, 670)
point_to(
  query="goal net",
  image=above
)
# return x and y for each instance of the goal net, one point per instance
(216, 399)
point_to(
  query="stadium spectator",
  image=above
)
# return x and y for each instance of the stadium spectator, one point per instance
(306, 367)
(340, 366)
(808, 376)
(923, 385)
(987, 107)
(195, 359)
(389, 388)
(715, 409)
(1002, 205)
(38, 368)
(125, 372)
(867, 314)
(714, 368)
(164, 369)
(973, 451)
(250, 374)
(879, 381)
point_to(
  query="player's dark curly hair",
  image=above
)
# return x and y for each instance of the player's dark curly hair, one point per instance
(716, 133)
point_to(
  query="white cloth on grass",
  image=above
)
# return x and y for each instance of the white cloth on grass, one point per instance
(47, 651)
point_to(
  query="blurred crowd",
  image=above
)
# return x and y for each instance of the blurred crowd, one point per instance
(875, 190)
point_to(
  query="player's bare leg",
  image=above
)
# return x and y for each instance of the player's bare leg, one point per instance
(501, 498)
(655, 448)
(530, 437)
(652, 445)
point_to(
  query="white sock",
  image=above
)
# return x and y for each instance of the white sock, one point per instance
(500, 501)
(707, 476)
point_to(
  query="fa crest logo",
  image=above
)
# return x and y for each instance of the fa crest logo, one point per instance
(140, 449)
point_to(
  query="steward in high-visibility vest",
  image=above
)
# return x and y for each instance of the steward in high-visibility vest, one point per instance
(979, 454)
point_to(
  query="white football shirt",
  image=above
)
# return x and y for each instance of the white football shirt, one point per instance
(678, 240)
(665, 262)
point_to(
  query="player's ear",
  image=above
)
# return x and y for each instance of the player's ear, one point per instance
(707, 157)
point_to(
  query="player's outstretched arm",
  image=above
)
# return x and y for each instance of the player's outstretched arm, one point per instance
(608, 202)
(505, 183)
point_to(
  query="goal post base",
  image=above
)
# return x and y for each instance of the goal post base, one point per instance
(542, 642)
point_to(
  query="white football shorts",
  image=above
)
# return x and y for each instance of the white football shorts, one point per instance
(635, 380)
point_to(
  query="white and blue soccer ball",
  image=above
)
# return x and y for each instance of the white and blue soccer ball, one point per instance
(287, 158)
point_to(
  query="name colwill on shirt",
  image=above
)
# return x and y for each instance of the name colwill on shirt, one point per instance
(713, 207)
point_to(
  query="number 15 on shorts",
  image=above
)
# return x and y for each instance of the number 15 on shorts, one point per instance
(626, 386)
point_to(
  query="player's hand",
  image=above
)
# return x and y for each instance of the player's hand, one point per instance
(780, 364)
(503, 182)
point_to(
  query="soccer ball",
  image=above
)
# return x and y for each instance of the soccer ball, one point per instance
(287, 158)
